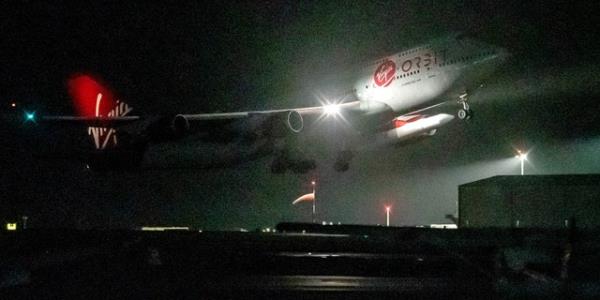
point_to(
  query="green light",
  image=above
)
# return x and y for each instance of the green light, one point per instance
(30, 116)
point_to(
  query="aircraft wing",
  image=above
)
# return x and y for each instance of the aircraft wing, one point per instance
(302, 111)
(292, 116)
(93, 121)
(96, 105)
(111, 121)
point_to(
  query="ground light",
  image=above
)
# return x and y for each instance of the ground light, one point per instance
(314, 204)
(387, 215)
(522, 157)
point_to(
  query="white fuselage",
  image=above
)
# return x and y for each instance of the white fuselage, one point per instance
(417, 77)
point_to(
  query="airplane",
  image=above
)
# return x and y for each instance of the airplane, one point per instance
(390, 95)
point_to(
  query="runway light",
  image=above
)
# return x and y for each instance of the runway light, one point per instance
(11, 226)
(163, 228)
(522, 157)
(387, 215)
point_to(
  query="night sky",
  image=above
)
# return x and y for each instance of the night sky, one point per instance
(195, 57)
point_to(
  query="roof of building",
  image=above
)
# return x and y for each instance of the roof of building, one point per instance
(518, 180)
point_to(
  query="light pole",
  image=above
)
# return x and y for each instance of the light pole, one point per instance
(522, 157)
(387, 216)
(314, 206)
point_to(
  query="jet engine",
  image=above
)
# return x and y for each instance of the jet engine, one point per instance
(283, 123)
(294, 121)
(180, 125)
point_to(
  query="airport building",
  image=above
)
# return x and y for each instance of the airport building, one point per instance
(532, 201)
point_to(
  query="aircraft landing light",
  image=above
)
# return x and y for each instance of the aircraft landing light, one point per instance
(331, 109)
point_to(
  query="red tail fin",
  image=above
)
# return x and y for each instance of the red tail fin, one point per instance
(92, 99)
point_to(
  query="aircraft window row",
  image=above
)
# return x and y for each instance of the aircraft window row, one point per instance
(466, 58)
(408, 74)
(411, 51)
(401, 76)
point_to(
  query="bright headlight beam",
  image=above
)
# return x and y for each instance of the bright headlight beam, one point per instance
(522, 156)
(331, 109)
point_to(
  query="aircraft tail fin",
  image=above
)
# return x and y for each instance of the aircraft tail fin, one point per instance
(97, 105)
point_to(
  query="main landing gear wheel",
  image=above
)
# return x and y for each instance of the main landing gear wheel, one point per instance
(342, 162)
(465, 113)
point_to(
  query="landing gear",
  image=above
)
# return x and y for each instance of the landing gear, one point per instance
(465, 113)
(283, 162)
(342, 162)
(341, 166)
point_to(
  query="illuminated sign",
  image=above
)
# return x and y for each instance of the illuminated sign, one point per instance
(11, 226)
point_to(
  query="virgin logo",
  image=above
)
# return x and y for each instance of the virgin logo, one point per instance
(103, 136)
(385, 73)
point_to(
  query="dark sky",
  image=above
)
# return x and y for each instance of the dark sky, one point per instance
(198, 57)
